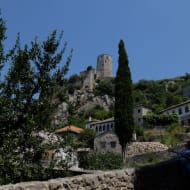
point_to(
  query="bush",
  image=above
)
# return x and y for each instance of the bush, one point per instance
(105, 86)
(98, 161)
(139, 130)
(170, 140)
(100, 113)
(171, 137)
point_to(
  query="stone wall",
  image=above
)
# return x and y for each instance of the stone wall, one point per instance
(113, 180)
(170, 175)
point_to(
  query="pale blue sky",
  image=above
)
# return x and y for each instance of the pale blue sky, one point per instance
(156, 32)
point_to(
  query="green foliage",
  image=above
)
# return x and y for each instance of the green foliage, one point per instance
(171, 135)
(87, 138)
(77, 121)
(74, 83)
(124, 123)
(105, 86)
(148, 158)
(100, 113)
(152, 119)
(170, 140)
(139, 130)
(27, 104)
(159, 95)
(89, 68)
(98, 161)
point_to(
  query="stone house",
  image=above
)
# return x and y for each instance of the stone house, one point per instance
(107, 142)
(182, 110)
(139, 112)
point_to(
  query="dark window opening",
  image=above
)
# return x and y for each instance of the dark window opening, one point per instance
(113, 144)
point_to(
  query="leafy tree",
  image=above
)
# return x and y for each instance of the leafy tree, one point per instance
(124, 124)
(27, 102)
(87, 138)
(99, 113)
(105, 86)
(153, 119)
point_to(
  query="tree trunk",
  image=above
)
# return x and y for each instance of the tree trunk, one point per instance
(124, 153)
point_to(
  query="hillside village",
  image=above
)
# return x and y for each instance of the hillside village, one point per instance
(88, 98)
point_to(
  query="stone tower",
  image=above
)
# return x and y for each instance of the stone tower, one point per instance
(104, 66)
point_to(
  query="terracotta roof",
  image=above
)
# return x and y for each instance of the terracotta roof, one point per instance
(71, 128)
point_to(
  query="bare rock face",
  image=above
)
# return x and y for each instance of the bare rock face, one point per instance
(81, 100)
(86, 100)
(61, 113)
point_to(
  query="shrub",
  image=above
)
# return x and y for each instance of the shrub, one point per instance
(170, 140)
(100, 113)
(139, 130)
(105, 86)
(98, 161)
(171, 137)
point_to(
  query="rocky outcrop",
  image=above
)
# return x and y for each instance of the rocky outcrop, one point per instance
(138, 148)
(81, 100)
(85, 100)
(61, 114)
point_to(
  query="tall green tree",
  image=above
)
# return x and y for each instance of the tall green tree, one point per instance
(124, 123)
(27, 101)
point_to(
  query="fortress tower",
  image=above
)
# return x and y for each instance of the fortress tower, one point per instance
(104, 66)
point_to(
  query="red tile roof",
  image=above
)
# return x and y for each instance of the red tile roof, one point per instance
(71, 128)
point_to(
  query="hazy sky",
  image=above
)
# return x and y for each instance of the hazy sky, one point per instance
(156, 32)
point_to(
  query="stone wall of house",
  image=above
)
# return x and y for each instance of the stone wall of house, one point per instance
(107, 142)
(170, 175)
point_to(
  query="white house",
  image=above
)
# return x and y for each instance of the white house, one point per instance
(182, 110)
(139, 112)
(109, 125)
(101, 126)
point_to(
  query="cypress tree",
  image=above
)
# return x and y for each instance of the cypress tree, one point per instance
(124, 122)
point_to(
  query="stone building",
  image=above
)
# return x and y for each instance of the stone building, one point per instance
(104, 66)
(182, 110)
(103, 70)
(101, 126)
(109, 124)
(139, 112)
(107, 142)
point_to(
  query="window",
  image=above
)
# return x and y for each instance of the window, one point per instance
(103, 127)
(180, 111)
(108, 127)
(186, 109)
(139, 111)
(113, 144)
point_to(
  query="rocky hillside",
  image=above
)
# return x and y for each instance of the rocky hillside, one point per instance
(82, 101)
(155, 94)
